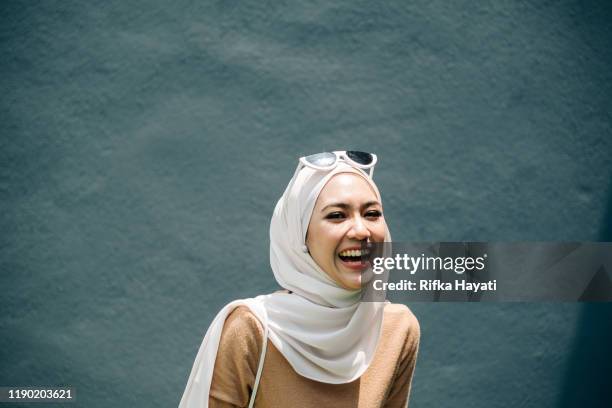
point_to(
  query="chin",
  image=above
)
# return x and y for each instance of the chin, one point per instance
(352, 284)
(346, 278)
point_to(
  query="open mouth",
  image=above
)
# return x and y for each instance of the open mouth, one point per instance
(354, 258)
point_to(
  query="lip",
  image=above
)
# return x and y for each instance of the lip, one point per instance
(356, 266)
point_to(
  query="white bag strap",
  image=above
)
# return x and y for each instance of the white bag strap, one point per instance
(260, 368)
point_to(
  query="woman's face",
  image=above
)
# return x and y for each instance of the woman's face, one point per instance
(346, 213)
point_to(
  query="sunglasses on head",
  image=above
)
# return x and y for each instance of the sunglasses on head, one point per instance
(329, 160)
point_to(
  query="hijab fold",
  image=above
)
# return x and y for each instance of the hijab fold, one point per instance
(323, 330)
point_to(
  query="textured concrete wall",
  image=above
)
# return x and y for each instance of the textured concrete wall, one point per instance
(144, 144)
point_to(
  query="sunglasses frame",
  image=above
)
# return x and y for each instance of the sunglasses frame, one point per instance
(341, 155)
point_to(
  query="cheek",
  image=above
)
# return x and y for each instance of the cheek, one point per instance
(327, 236)
(379, 231)
(332, 237)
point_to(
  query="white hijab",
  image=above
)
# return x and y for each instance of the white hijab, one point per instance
(323, 330)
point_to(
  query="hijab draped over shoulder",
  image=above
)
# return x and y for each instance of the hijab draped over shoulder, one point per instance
(323, 330)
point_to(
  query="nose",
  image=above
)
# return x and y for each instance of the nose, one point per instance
(358, 231)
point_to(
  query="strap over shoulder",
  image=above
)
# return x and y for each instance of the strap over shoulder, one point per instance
(262, 357)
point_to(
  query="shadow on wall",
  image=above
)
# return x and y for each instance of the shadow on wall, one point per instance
(588, 382)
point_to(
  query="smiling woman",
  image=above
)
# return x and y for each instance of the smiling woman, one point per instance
(346, 213)
(313, 344)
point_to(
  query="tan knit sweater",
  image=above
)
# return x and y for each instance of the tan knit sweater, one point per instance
(386, 382)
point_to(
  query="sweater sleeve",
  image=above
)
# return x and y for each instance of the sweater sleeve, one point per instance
(400, 389)
(237, 360)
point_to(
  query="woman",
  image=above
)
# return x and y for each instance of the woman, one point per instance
(314, 344)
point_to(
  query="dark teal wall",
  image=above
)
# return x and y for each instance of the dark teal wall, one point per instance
(144, 144)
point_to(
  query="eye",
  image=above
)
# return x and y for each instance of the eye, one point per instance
(373, 214)
(337, 215)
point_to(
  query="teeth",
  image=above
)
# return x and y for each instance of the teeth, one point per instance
(352, 252)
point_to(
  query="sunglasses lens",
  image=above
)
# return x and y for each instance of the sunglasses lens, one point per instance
(321, 159)
(360, 157)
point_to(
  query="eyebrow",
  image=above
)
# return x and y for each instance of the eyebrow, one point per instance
(345, 206)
